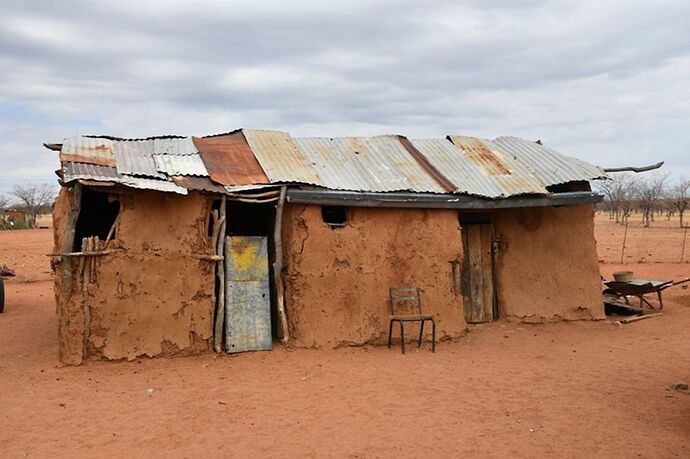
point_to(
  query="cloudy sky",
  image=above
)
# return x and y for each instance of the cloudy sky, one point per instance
(605, 81)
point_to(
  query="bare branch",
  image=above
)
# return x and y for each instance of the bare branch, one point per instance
(634, 169)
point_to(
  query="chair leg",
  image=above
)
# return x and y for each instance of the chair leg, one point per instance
(390, 334)
(433, 335)
(421, 333)
(402, 336)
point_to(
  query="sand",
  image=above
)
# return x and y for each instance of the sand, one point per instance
(505, 389)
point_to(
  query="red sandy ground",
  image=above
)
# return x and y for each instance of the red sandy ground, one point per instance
(578, 389)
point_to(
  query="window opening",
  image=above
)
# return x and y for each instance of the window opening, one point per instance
(334, 216)
(97, 214)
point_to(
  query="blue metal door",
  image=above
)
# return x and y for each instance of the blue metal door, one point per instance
(247, 298)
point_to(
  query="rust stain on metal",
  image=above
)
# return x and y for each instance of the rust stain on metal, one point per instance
(441, 179)
(88, 150)
(229, 159)
(479, 153)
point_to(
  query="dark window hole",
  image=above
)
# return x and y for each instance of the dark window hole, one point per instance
(97, 215)
(334, 216)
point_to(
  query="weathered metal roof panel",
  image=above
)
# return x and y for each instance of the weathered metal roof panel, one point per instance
(135, 157)
(229, 160)
(378, 164)
(280, 158)
(152, 184)
(198, 183)
(88, 150)
(174, 146)
(82, 171)
(180, 165)
(502, 168)
(546, 166)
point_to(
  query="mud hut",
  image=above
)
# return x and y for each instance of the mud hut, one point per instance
(177, 245)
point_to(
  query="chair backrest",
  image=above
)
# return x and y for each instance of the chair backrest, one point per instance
(398, 297)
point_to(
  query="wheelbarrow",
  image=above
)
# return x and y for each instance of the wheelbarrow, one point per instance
(639, 288)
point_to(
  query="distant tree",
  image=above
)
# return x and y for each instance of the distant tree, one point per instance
(4, 202)
(34, 198)
(679, 196)
(618, 196)
(649, 191)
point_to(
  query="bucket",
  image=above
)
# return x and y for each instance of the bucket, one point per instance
(623, 276)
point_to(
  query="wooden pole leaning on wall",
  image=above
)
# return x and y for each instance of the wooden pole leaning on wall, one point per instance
(278, 264)
(68, 242)
(220, 274)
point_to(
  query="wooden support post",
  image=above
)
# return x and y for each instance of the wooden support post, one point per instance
(220, 274)
(278, 264)
(68, 241)
(685, 237)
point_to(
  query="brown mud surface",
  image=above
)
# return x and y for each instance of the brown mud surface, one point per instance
(576, 389)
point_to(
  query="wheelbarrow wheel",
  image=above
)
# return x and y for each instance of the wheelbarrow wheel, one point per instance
(2, 294)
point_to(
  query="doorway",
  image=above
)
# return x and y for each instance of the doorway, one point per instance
(250, 310)
(477, 276)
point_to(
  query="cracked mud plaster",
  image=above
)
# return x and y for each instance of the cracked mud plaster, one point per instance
(547, 269)
(152, 297)
(337, 279)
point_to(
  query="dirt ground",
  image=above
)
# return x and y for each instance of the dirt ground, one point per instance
(578, 389)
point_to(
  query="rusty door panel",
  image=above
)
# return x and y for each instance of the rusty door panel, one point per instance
(477, 273)
(247, 297)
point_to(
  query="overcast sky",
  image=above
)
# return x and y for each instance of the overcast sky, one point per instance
(605, 81)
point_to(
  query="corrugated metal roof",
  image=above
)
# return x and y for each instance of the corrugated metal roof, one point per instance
(280, 158)
(135, 157)
(365, 164)
(229, 160)
(77, 171)
(88, 150)
(197, 183)
(180, 165)
(502, 167)
(176, 146)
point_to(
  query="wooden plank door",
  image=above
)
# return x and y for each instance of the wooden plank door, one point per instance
(477, 282)
(247, 295)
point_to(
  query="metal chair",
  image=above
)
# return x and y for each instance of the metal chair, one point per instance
(408, 295)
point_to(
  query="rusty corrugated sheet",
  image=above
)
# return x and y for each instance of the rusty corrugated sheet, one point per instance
(174, 146)
(88, 150)
(135, 157)
(180, 165)
(198, 183)
(280, 158)
(78, 171)
(229, 160)
(376, 164)
(502, 168)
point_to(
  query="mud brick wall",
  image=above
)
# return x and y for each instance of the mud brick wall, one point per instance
(152, 296)
(337, 279)
(547, 267)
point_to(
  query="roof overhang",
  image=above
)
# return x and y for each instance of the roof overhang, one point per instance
(437, 201)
